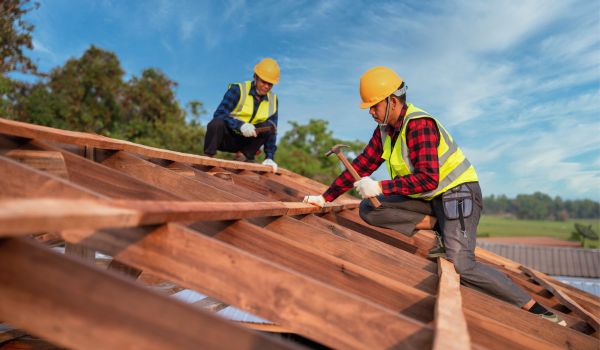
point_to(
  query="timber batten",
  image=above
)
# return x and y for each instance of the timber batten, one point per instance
(239, 234)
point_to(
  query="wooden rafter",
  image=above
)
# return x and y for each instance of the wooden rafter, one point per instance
(564, 298)
(450, 325)
(26, 216)
(78, 306)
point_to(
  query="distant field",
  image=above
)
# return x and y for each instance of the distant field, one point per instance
(495, 226)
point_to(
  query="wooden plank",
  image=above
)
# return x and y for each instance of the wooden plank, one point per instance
(253, 182)
(563, 297)
(25, 216)
(338, 273)
(104, 180)
(418, 244)
(474, 300)
(10, 334)
(80, 252)
(21, 181)
(48, 161)
(521, 320)
(78, 306)
(367, 242)
(265, 327)
(502, 335)
(258, 286)
(167, 180)
(450, 325)
(210, 304)
(124, 269)
(411, 270)
(217, 182)
(15, 128)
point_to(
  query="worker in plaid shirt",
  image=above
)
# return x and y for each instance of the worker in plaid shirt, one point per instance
(429, 175)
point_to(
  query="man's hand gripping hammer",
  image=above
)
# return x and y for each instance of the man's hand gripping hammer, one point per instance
(337, 150)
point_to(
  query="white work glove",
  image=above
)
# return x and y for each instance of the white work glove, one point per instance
(319, 201)
(368, 187)
(270, 162)
(248, 130)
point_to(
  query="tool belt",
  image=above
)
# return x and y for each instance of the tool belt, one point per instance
(458, 204)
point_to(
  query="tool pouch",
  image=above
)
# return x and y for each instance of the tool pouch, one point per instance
(458, 203)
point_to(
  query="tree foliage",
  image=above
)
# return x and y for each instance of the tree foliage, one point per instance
(302, 150)
(540, 206)
(15, 36)
(89, 94)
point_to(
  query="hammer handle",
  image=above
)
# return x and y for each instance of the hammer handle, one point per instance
(374, 201)
(262, 129)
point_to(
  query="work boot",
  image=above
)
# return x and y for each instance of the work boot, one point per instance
(438, 250)
(553, 318)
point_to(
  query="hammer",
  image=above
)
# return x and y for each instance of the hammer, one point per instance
(337, 150)
(271, 127)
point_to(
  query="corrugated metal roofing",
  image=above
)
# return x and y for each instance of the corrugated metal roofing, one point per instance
(538, 241)
(559, 261)
(231, 313)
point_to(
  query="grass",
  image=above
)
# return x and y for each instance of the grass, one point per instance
(497, 226)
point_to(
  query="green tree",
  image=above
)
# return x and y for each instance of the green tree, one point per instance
(15, 36)
(302, 150)
(89, 94)
(89, 90)
(154, 117)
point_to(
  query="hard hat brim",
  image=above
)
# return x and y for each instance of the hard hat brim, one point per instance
(272, 81)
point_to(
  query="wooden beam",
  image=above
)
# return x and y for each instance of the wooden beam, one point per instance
(124, 269)
(48, 161)
(210, 304)
(25, 216)
(502, 335)
(563, 297)
(15, 128)
(370, 243)
(21, 181)
(345, 275)
(402, 266)
(418, 244)
(513, 317)
(168, 180)
(217, 182)
(104, 180)
(255, 285)
(450, 325)
(78, 306)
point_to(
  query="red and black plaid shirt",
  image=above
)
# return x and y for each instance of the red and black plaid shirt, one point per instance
(422, 138)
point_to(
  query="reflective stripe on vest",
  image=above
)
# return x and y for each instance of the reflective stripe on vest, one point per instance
(455, 168)
(245, 107)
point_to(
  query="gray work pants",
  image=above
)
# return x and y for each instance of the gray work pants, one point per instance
(402, 213)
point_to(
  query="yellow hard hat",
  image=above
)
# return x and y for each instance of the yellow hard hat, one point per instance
(267, 70)
(376, 84)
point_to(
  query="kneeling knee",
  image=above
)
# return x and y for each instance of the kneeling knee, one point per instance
(364, 210)
(215, 123)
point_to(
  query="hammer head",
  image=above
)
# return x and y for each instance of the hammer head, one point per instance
(335, 149)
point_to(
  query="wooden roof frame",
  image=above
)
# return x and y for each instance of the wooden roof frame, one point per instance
(238, 233)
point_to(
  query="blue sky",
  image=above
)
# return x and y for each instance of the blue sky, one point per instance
(517, 83)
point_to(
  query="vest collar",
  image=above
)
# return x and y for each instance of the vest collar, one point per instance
(255, 95)
(391, 129)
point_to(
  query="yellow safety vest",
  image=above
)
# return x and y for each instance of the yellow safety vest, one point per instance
(455, 168)
(245, 106)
